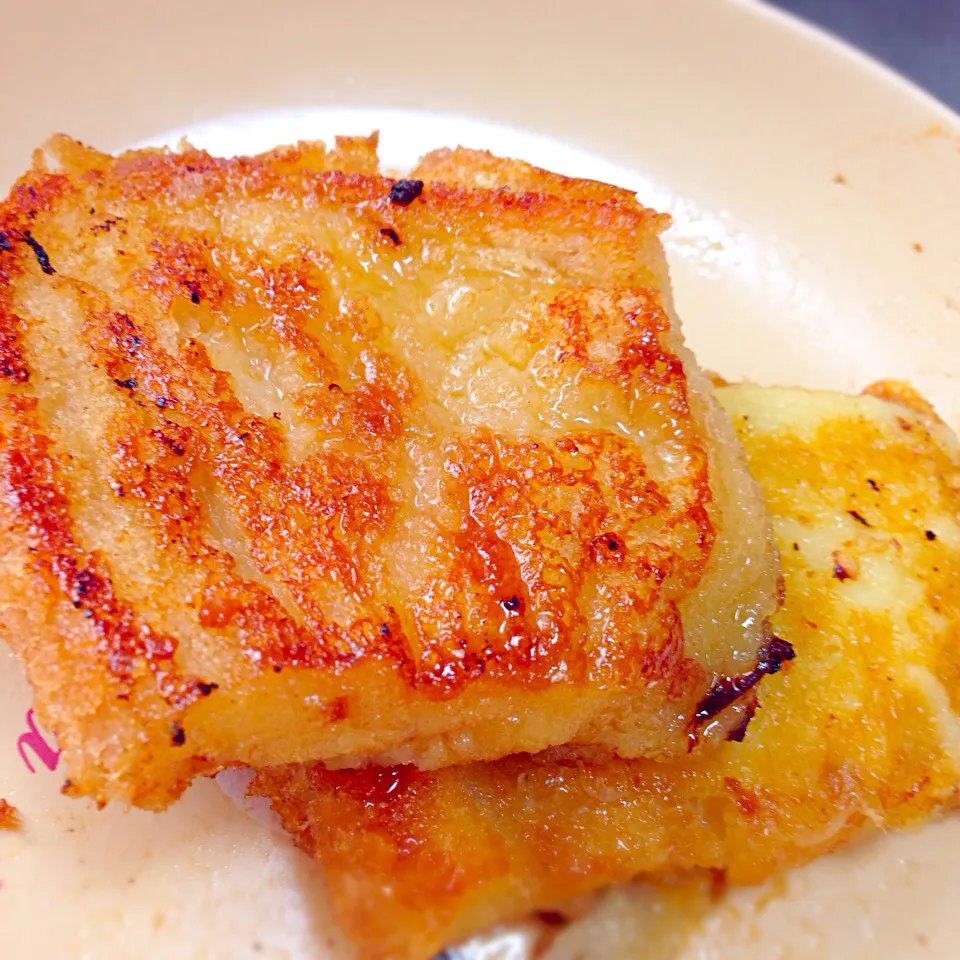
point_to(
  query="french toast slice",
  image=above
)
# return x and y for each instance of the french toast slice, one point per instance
(861, 732)
(301, 462)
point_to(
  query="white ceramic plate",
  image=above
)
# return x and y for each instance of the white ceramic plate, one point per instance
(817, 241)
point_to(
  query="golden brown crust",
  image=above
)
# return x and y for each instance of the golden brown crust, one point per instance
(861, 731)
(338, 468)
(349, 154)
(480, 168)
(101, 656)
(898, 392)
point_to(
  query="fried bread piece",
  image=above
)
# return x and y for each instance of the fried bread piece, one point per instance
(860, 732)
(302, 463)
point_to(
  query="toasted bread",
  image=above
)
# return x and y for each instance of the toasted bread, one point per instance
(302, 463)
(861, 732)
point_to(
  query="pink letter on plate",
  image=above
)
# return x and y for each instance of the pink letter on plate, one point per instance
(34, 740)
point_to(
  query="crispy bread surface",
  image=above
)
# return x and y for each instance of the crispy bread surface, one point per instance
(303, 462)
(859, 732)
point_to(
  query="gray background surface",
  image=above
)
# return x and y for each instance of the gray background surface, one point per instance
(918, 38)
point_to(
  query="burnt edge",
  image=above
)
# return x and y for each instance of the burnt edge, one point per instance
(737, 733)
(38, 251)
(404, 192)
(772, 656)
